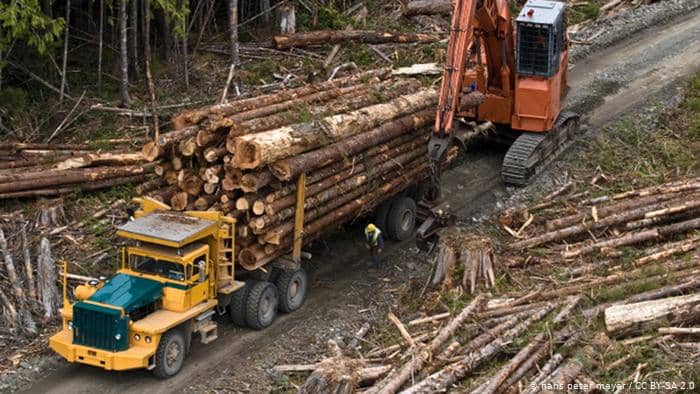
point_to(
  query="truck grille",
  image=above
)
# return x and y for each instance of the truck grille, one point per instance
(99, 327)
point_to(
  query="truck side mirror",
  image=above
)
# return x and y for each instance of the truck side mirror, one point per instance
(202, 272)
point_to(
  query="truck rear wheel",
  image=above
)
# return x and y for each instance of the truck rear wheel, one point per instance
(261, 307)
(401, 219)
(291, 285)
(238, 304)
(381, 215)
(170, 356)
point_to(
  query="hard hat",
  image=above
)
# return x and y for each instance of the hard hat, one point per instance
(371, 227)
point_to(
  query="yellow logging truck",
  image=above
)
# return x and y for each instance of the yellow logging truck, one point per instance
(176, 273)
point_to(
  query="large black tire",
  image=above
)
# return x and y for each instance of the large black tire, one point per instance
(401, 220)
(237, 306)
(381, 214)
(170, 355)
(291, 286)
(261, 307)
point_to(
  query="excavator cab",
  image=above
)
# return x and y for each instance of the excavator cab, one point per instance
(541, 59)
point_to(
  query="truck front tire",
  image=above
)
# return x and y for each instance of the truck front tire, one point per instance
(170, 356)
(401, 220)
(291, 285)
(261, 307)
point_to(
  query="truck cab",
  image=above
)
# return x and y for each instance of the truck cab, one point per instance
(175, 273)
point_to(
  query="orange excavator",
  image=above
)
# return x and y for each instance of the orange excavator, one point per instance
(521, 70)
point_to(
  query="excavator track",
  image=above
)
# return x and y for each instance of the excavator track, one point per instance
(531, 152)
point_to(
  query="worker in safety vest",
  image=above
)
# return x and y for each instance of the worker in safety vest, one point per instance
(375, 243)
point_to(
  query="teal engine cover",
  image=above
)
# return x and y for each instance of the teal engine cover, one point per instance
(105, 327)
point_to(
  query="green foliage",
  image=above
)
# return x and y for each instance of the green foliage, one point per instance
(13, 99)
(583, 12)
(23, 20)
(177, 11)
(329, 18)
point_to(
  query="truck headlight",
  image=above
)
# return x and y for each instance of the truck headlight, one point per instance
(137, 337)
(148, 339)
(70, 324)
(118, 337)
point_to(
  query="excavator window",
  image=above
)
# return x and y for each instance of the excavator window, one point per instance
(540, 38)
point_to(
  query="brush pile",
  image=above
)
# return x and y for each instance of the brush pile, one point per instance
(359, 140)
(575, 226)
(29, 296)
(36, 170)
(470, 254)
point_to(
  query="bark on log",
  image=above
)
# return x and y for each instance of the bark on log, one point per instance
(606, 222)
(252, 258)
(44, 179)
(95, 185)
(185, 119)
(255, 150)
(321, 37)
(635, 238)
(445, 378)
(98, 159)
(290, 168)
(229, 124)
(625, 320)
(497, 380)
(47, 278)
(605, 211)
(428, 7)
(393, 382)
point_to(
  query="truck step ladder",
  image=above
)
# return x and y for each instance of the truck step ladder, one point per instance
(206, 327)
(225, 261)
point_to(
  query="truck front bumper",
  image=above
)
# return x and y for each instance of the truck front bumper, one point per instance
(132, 358)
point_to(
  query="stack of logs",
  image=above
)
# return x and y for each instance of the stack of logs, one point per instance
(35, 170)
(576, 226)
(358, 139)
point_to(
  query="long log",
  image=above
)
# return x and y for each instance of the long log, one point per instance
(638, 237)
(98, 159)
(445, 378)
(393, 147)
(252, 151)
(496, 381)
(290, 168)
(228, 124)
(94, 185)
(71, 177)
(394, 381)
(625, 205)
(252, 258)
(348, 102)
(188, 118)
(322, 37)
(623, 217)
(325, 189)
(624, 320)
(334, 187)
(428, 7)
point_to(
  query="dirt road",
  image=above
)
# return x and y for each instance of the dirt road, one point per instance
(343, 292)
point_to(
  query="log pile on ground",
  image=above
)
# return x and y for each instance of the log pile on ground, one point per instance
(36, 170)
(359, 140)
(322, 37)
(575, 226)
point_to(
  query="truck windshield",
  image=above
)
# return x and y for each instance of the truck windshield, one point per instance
(153, 266)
